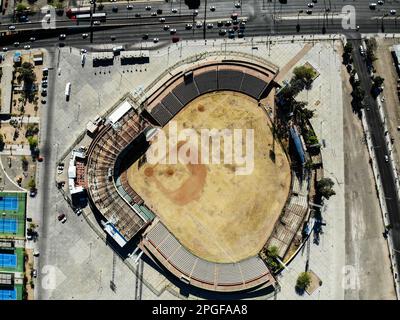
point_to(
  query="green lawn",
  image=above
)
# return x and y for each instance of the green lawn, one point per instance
(20, 261)
(20, 290)
(18, 214)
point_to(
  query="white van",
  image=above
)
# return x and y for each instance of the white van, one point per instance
(118, 49)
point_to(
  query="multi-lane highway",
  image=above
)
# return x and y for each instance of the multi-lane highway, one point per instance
(263, 18)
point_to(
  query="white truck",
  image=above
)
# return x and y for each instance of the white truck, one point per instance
(67, 90)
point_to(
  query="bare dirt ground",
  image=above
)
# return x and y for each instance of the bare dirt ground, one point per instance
(386, 69)
(365, 245)
(216, 214)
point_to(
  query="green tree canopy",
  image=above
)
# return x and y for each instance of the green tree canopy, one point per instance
(325, 187)
(303, 281)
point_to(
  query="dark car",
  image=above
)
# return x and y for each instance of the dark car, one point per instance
(145, 37)
(61, 217)
(33, 193)
(115, 9)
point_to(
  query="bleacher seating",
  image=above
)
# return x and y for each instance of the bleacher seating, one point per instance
(229, 79)
(253, 86)
(172, 104)
(210, 274)
(186, 92)
(207, 81)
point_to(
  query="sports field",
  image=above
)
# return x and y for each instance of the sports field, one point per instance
(215, 213)
(12, 260)
(12, 214)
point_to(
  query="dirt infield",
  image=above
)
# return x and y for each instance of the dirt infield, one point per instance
(216, 214)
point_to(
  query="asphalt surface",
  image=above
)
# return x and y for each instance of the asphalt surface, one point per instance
(264, 18)
(377, 135)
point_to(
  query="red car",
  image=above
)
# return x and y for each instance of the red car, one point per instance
(175, 39)
(61, 217)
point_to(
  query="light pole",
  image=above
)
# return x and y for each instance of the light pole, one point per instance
(298, 20)
(382, 23)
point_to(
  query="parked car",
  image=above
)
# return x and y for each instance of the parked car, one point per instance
(393, 12)
(188, 26)
(172, 31)
(137, 15)
(27, 47)
(162, 19)
(174, 10)
(85, 35)
(62, 36)
(129, 7)
(212, 8)
(155, 40)
(96, 23)
(32, 39)
(11, 28)
(148, 8)
(34, 273)
(237, 5)
(62, 218)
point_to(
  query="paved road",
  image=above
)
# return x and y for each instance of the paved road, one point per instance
(264, 18)
(381, 150)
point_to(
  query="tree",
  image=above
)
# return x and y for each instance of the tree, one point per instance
(272, 254)
(1, 142)
(378, 81)
(32, 184)
(20, 7)
(348, 48)
(33, 142)
(25, 163)
(303, 282)
(306, 74)
(101, 5)
(325, 188)
(27, 75)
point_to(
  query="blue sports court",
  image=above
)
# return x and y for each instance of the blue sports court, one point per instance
(8, 294)
(9, 203)
(8, 225)
(8, 260)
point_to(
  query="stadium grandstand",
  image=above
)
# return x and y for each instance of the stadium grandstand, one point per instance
(122, 139)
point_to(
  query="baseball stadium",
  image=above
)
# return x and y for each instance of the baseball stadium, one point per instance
(201, 222)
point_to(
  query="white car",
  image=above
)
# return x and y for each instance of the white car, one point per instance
(195, 12)
(310, 5)
(5, 49)
(386, 158)
(154, 14)
(174, 10)
(32, 39)
(210, 26)
(96, 23)
(85, 35)
(381, 2)
(172, 31)
(83, 51)
(155, 40)
(11, 27)
(148, 8)
(166, 27)
(393, 12)
(188, 26)
(27, 47)
(237, 5)
(212, 8)
(199, 24)
(129, 7)
(162, 19)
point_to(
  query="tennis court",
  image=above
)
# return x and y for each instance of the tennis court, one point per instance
(8, 225)
(8, 294)
(9, 203)
(12, 214)
(8, 260)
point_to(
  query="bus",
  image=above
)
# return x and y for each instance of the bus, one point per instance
(72, 12)
(96, 16)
